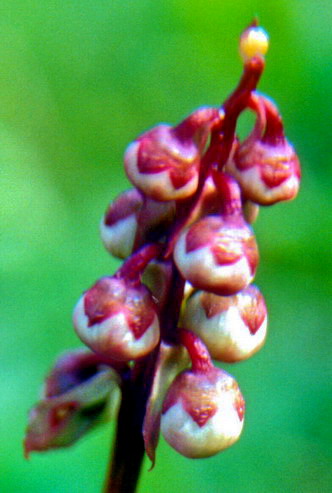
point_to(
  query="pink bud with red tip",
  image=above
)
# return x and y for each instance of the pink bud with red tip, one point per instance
(133, 219)
(164, 162)
(266, 165)
(219, 252)
(232, 327)
(118, 226)
(203, 412)
(117, 319)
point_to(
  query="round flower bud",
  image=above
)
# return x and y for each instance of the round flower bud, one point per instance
(217, 254)
(164, 162)
(254, 41)
(266, 173)
(132, 219)
(233, 328)
(202, 413)
(118, 226)
(117, 320)
(265, 164)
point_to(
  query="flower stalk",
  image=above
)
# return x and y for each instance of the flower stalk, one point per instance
(128, 454)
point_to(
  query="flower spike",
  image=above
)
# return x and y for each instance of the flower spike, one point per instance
(190, 256)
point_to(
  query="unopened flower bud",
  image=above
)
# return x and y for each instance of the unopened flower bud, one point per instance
(203, 413)
(232, 327)
(254, 41)
(119, 225)
(117, 319)
(266, 166)
(164, 162)
(73, 369)
(80, 393)
(219, 253)
(133, 219)
(267, 174)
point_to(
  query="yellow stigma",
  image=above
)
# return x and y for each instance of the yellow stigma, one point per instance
(254, 41)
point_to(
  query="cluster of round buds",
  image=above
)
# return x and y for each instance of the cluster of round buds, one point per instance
(185, 285)
(184, 230)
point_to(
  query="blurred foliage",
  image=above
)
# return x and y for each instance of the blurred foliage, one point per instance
(79, 80)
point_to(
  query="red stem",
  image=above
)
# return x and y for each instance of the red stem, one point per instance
(229, 193)
(133, 267)
(256, 104)
(274, 131)
(199, 355)
(237, 102)
(170, 312)
(268, 127)
(187, 208)
(221, 142)
(129, 447)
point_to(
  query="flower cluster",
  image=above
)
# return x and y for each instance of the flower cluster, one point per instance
(184, 294)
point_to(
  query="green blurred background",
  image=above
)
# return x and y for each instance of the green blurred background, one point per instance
(79, 80)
